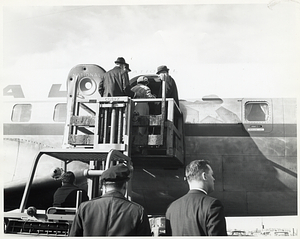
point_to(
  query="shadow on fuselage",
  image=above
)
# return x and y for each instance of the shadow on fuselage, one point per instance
(256, 173)
(40, 196)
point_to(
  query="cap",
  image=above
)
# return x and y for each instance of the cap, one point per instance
(117, 173)
(142, 79)
(162, 68)
(120, 60)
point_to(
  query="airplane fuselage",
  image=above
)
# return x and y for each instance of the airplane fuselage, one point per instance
(253, 153)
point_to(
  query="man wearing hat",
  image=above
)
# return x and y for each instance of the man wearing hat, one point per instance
(66, 195)
(111, 214)
(142, 91)
(116, 81)
(171, 88)
(127, 67)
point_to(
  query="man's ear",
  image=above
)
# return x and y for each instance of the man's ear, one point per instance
(203, 175)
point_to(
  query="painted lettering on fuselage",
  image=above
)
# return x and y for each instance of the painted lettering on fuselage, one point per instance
(13, 90)
(16, 91)
(56, 92)
(83, 74)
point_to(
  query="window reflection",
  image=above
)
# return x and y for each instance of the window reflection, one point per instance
(60, 112)
(21, 113)
(256, 111)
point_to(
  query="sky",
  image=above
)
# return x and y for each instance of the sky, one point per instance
(230, 50)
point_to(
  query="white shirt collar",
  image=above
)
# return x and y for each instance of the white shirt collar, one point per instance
(200, 189)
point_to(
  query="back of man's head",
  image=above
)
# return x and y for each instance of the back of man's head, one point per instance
(194, 170)
(114, 185)
(68, 177)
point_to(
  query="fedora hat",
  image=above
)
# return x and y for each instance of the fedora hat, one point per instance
(162, 68)
(120, 60)
(127, 66)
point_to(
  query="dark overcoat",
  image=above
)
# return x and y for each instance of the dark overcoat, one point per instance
(115, 83)
(66, 196)
(110, 215)
(171, 90)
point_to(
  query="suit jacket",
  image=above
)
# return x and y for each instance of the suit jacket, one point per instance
(65, 196)
(115, 83)
(110, 215)
(196, 214)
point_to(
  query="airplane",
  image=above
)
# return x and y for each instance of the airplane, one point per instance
(251, 144)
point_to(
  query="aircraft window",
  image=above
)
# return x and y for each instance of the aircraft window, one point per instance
(21, 113)
(257, 111)
(60, 112)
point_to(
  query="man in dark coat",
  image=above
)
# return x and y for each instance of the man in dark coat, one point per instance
(116, 81)
(66, 195)
(111, 214)
(171, 88)
(196, 213)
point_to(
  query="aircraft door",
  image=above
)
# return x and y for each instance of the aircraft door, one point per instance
(86, 78)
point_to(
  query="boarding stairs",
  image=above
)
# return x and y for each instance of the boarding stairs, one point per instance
(105, 123)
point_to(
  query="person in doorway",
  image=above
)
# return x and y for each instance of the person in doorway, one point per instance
(66, 195)
(111, 214)
(171, 88)
(127, 68)
(116, 81)
(196, 213)
(142, 91)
